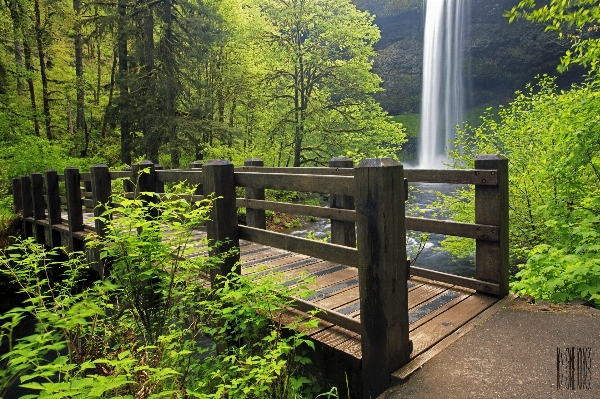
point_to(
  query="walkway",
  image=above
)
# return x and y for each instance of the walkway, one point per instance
(512, 355)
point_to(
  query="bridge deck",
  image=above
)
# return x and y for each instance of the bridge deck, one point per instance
(436, 309)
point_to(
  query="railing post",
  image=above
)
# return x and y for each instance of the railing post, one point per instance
(197, 165)
(54, 211)
(221, 229)
(491, 208)
(255, 217)
(39, 211)
(74, 211)
(342, 233)
(382, 271)
(145, 182)
(17, 197)
(101, 190)
(27, 205)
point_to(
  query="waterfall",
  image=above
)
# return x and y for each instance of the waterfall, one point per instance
(442, 99)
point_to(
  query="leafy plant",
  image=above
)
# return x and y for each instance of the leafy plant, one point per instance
(153, 327)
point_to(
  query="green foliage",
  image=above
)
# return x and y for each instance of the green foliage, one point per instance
(153, 327)
(551, 140)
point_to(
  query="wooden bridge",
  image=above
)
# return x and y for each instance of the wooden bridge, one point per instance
(384, 317)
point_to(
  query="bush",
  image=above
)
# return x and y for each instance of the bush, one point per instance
(153, 327)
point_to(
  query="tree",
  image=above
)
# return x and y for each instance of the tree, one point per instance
(576, 20)
(320, 77)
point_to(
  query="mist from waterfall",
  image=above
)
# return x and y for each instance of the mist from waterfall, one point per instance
(442, 100)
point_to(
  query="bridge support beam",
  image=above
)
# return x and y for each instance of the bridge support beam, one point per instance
(382, 272)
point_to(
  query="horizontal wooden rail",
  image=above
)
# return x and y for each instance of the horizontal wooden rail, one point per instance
(321, 250)
(468, 230)
(343, 185)
(329, 315)
(297, 209)
(297, 171)
(121, 174)
(453, 176)
(85, 176)
(474, 284)
(177, 175)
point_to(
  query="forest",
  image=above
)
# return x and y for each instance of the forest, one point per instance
(291, 82)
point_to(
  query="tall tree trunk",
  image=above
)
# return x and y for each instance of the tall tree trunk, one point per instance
(108, 110)
(16, 22)
(148, 124)
(29, 67)
(80, 84)
(168, 52)
(124, 103)
(42, 56)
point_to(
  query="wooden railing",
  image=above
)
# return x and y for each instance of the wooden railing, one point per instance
(366, 209)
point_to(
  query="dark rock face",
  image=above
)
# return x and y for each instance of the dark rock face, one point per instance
(500, 58)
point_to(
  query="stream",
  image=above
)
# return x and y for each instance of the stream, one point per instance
(432, 257)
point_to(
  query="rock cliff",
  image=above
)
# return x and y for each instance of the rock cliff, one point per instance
(500, 58)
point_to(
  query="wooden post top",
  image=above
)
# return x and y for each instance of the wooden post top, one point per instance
(196, 165)
(377, 163)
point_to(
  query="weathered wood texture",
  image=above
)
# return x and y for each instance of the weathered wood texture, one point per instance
(101, 188)
(321, 250)
(255, 217)
(160, 185)
(297, 209)
(468, 230)
(343, 185)
(479, 285)
(17, 197)
(453, 176)
(464, 176)
(177, 175)
(54, 211)
(199, 188)
(329, 315)
(491, 207)
(27, 204)
(382, 272)
(39, 205)
(342, 232)
(221, 229)
(74, 210)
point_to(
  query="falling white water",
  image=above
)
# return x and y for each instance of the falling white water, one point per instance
(442, 93)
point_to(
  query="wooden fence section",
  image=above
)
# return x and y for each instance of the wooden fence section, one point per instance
(366, 206)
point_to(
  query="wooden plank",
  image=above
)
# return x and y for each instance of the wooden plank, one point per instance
(301, 171)
(27, 205)
(420, 360)
(74, 211)
(468, 230)
(339, 299)
(382, 272)
(335, 253)
(311, 183)
(177, 175)
(462, 295)
(160, 185)
(54, 211)
(449, 321)
(101, 190)
(120, 174)
(85, 177)
(200, 187)
(491, 207)
(342, 232)
(486, 177)
(39, 206)
(17, 197)
(297, 209)
(329, 315)
(255, 217)
(478, 285)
